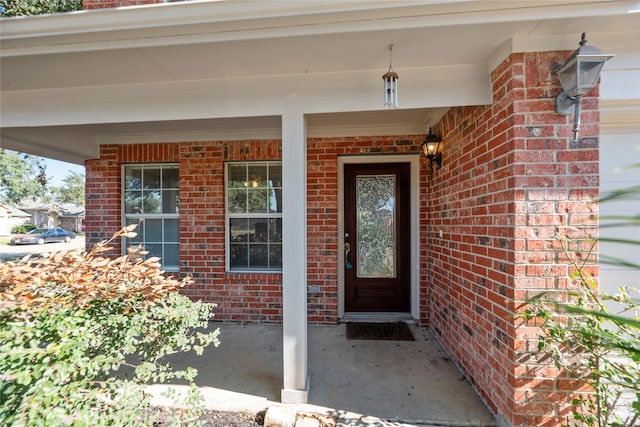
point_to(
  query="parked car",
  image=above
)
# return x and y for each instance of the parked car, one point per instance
(43, 235)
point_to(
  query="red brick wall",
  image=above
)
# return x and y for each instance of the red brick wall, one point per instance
(103, 194)
(107, 4)
(245, 297)
(511, 178)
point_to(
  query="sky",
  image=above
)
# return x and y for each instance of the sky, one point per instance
(57, 170)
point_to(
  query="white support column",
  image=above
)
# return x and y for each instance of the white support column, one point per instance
(294, 258)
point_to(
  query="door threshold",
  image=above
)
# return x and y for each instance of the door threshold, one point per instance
(377, 317)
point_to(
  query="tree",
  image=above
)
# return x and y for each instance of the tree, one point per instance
(72, 189)
(22, 177)
(37, 7)
(81, 335)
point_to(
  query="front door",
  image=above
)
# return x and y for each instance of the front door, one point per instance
(376, 235)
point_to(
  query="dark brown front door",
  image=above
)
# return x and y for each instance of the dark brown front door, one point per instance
(377, 243)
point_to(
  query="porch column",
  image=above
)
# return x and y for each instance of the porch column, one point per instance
(294, 258)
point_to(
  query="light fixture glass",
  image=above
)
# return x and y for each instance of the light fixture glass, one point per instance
(578, 75)
(391, 85)
(431, 148)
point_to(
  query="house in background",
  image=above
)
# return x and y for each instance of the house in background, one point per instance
(252, 139)
(53, 215)
(10, 217)
(72, 218)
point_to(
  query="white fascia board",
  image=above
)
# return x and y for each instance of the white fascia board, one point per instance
(239, 16)
(184, 13)
(182, 23)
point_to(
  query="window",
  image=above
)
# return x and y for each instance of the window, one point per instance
(151, 193)
(254, 216)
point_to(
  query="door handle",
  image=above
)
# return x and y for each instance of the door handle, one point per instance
(347, 249)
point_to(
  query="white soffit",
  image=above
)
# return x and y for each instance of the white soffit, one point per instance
(229, 39)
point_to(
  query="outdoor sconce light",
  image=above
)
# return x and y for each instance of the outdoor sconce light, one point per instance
(431, 148)
(578, 75)
(390, 85)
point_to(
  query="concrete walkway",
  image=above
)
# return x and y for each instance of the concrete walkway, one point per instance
(372, 383)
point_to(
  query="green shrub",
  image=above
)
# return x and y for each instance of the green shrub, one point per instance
(81, 335)
(37, 7)
(589, 341)
(22, 228)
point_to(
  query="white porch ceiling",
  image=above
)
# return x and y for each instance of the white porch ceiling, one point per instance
(225, 69)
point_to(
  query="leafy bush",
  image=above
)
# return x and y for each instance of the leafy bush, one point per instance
(37, 7)
(22, 228)
(592, 343)
(81, 335)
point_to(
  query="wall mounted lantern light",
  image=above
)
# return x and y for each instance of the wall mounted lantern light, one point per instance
(578, 75)
(431, 148)
(390, 85)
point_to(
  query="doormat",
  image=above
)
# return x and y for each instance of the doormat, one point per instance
(397, 331)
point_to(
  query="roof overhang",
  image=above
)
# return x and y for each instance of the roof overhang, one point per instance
(229, 69)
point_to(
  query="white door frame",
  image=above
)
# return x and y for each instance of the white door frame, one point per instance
(414, 161)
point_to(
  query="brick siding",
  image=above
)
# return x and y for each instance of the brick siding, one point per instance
(511, 179)
(107, 4)
(322, 211)
(241, 297)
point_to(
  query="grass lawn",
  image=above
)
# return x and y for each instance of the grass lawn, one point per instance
(4, 240)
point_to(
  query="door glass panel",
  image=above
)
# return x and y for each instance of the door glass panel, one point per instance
(376, 224)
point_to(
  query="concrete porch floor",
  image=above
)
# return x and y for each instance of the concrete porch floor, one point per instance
(359, 382)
